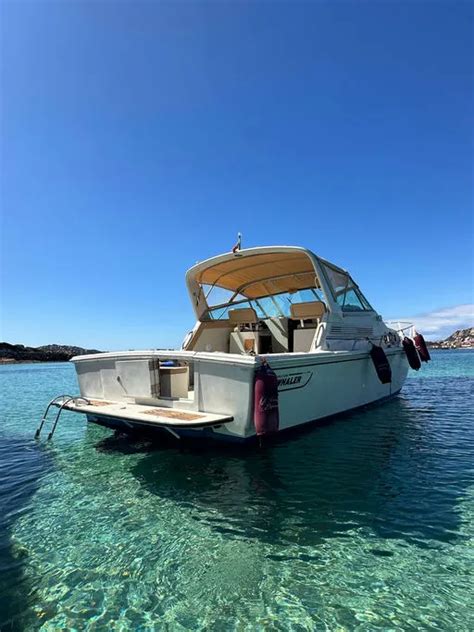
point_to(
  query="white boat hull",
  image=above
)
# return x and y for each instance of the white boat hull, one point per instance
(312, 386)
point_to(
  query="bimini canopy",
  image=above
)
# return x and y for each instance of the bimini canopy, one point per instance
(255, 273)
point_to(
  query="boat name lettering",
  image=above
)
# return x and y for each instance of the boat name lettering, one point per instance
(293, 380)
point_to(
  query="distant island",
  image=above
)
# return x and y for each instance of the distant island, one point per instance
(49, 353)
(460, 339)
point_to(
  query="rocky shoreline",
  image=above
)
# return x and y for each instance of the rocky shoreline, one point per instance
(460, 339)
(11, 354)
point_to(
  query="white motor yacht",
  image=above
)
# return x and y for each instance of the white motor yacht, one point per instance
(282, 338)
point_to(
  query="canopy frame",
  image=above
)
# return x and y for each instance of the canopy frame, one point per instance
(238, 272)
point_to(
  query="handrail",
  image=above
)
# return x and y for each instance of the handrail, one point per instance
(56, 402)
(51, 403)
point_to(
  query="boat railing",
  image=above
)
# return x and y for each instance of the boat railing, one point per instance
(400, 326)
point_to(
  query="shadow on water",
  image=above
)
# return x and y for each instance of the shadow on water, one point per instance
(22, 462)
(382, 470)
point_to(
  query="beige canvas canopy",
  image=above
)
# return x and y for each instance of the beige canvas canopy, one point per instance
(261, 274)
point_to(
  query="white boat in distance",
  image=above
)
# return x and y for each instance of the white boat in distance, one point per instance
(282, 338)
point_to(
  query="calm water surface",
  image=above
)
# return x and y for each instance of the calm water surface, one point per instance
(365, 523)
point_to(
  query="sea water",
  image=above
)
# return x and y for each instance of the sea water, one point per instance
(362, 523)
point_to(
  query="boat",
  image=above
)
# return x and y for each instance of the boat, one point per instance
(282, 338)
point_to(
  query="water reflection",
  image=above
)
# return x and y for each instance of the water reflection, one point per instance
(353, 473)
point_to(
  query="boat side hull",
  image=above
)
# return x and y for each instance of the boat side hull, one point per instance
(318, 388)
(311, 388)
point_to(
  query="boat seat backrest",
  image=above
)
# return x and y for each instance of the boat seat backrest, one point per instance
(244, 316)
(313, 310)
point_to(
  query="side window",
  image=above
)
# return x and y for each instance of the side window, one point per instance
(337, 279)
(345, 291)
(350, 301)
(366, 305)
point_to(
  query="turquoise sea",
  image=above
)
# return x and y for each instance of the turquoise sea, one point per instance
(362, 523)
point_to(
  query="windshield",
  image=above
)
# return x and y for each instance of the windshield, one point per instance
(276, 305)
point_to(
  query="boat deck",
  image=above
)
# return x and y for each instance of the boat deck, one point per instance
(148, 415)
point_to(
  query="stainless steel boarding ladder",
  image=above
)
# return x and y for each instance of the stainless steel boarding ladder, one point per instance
(66, 399)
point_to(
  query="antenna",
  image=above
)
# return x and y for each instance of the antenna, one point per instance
(238, 245)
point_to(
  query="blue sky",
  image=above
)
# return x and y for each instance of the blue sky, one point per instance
(138, 138)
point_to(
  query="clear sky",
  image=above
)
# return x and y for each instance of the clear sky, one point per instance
(139, 137)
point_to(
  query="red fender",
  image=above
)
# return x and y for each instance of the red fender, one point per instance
(265, 411)
(421, 347)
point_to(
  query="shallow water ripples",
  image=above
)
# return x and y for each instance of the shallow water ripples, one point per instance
(362, 523)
